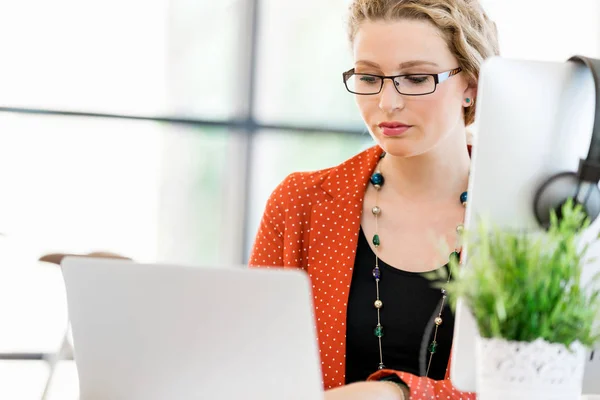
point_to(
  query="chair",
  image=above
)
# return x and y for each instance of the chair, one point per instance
(65, 351)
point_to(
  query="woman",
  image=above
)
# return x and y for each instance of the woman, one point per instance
(367, 230)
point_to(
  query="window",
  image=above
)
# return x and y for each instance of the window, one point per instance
(100, 56)
(277, 154)
(303, 51)
(206, 107)
(536, 30)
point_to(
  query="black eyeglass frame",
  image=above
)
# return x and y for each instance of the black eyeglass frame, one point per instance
(437, 78)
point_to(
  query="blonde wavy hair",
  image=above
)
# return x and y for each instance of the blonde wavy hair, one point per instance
(471, 36)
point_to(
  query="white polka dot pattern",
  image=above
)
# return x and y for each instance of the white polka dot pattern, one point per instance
(312, 222)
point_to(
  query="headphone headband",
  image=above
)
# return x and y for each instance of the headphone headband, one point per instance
(589, 168)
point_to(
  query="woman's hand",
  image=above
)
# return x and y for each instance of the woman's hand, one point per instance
(367, 391)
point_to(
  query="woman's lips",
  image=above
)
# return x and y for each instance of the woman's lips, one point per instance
(393, 128)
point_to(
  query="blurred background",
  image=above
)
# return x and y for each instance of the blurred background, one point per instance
(156, 129)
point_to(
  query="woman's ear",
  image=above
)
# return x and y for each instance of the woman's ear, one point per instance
(469, 95)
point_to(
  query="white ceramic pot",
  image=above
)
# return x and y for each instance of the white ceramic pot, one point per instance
(537, 370)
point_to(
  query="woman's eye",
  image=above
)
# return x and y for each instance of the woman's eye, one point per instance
(416, 79)
(368, 79)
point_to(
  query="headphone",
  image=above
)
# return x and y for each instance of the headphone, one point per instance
(580, 186)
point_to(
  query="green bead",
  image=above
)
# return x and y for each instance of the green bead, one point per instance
(454, 257)
(379, 331)
(433, 347)
(377, 180)
(376, 240)
(463, 198)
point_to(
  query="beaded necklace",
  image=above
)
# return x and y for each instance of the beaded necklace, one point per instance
(377, 181)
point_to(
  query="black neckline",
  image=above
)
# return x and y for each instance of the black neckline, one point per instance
(385, 266)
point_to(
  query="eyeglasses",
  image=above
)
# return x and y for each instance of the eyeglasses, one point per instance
(409, 85)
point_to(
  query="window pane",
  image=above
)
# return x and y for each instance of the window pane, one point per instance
(530, 30)
(105, 56)
(194, 169)
(141, 189)
(303, 52)
(126, 57)
(205, 61)
(277, 154)
(23, 380)
(26, 380)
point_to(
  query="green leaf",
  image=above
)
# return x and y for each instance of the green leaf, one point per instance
(527, 285)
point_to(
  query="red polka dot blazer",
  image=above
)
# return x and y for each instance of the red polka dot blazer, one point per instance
(312, 222)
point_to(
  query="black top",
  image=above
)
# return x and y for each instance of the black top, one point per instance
(409, 304)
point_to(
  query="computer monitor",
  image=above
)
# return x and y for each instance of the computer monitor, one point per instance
(534, 119)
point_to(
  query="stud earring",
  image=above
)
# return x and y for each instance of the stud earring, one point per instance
(468, 100)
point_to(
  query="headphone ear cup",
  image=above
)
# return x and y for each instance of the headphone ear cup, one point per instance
(555, 192)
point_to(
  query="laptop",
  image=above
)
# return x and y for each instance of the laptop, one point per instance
(159, 331)
(534, 120)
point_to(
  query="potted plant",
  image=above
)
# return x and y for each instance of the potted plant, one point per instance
(535, 316)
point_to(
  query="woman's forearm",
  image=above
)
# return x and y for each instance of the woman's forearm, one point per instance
(367, 391)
